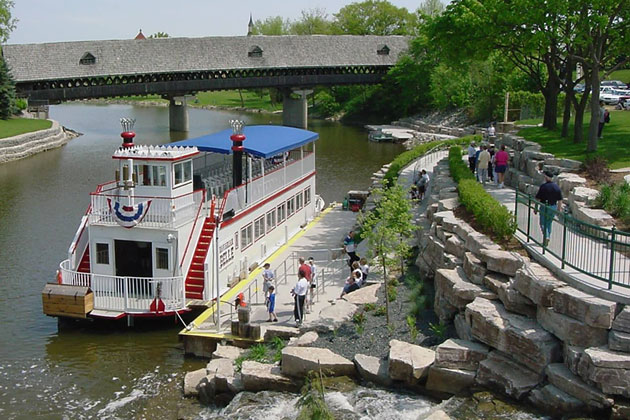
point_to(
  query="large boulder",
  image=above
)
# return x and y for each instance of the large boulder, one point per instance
(622, 320)
(585, 214)
(520, 337)
(331, 316)
(462, 328)
(366, 294)
(554, 400)
(589, 309)
(298, 361)
(455, 246)
(505, 375)
(569, 330)
(476, 242)
(226, 352)
(584, 195)
(619, 341)
(304, 340)
(262, 377)
(608, 370)
(514, 301)
(504, 262)
(281, 331)
(537, 283)
(493, 281)
(452, 381)
(460, 354)
(191, 382)
(454, 286)
(222, 367)
(408, 362)
(474, 268)
(567, 181)
(373, 369)
(560, 376)
(572, 356)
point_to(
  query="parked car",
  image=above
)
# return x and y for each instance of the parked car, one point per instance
(579, 88)
(612, 96)
(616, 84)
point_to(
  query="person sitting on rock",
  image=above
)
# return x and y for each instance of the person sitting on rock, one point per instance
(352, 284)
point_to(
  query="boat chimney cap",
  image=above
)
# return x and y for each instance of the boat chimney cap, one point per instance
(127, 134)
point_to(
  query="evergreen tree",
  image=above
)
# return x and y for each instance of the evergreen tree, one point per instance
(7, 91)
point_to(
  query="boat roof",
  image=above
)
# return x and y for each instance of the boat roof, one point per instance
(260, 140)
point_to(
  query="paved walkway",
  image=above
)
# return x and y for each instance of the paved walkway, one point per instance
(593, 255)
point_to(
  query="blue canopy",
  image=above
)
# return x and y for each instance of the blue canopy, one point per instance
(260, 140)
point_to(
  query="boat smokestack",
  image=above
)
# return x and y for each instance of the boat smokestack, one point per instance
(127, 134)
(237, 148)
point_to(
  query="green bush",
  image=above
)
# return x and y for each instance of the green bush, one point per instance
(392, 293)
(491, 215)
(615, 199)
(380, 311)
(409, 156)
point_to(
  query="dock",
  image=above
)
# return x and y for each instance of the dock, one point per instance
(321, 239)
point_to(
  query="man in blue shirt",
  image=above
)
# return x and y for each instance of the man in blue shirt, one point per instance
(550, 196)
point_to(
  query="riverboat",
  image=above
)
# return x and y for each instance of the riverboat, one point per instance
(182, 223)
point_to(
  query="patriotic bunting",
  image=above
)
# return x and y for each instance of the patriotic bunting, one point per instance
(128, 216)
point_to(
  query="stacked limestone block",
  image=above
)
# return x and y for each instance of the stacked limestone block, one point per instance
(550, 344)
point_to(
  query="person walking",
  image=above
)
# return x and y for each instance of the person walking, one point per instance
(306, 268)
(550, 197)
(471, 156)
(312, 285)
(350, 247)
(299, 296)
(491, 174)
(603, 116)
(477, 153)
(271, 305)
(501, 159)
(482, 164)
(423, 183)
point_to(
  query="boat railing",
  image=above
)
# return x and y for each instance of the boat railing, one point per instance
(162, 211)
(263, 186)
(128, 294)
(193, 231)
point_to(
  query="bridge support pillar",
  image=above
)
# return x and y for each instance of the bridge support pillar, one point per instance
(177, 113)
(295, 110)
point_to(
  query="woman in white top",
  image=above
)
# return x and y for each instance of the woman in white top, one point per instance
(365, 269)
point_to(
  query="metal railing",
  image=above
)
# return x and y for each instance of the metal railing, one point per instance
(128, 294)
(598, 252)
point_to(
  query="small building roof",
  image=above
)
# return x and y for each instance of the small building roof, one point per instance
(260, 140)
(140, 35)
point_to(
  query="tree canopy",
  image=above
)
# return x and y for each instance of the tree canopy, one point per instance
(374, 17)
(7, 22)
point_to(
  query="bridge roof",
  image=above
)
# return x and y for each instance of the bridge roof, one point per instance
(61, 60)
(260, 140)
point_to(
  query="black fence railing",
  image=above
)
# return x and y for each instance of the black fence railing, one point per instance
(598, 252)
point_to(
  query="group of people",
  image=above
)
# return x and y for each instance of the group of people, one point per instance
(488, 164)
(303, 301)
(359, 267)
(420, 184)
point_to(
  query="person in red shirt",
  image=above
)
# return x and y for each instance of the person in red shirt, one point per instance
(501, 159)
(306, 268)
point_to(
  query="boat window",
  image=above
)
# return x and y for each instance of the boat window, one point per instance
(271, 220)
(281, 213)
(298, 201)
(290, 207)
(161, 258)
(183, 172)
(307, 196)
(247, 236)
(102, 253)
(259, 228)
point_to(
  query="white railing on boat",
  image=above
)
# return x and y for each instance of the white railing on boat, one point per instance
(162, 212)
(264, 186)
(128, 294)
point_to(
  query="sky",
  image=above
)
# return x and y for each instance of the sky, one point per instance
(42, 21)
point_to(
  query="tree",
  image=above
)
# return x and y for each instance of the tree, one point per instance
(374, 17)
(159, 35)
(273, 25)
(313, 21)
(388, 228)
(7, 22)
(7, 91)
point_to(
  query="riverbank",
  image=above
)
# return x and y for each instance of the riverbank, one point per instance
(28, 144)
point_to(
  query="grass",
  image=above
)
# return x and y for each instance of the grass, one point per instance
(613, 147)
(623, 75)
(15, 126)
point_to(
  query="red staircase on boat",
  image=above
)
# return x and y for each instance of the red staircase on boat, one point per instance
(195, 277)
(84, 265)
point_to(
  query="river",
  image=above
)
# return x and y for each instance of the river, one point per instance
(47, 373)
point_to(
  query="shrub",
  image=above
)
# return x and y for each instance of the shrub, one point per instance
(413, 330)
(369, 307)
(380, 311)
(409, 156)
(615, 199)
(358, 318)
(438, 330)
(392, 293)
(491, 215)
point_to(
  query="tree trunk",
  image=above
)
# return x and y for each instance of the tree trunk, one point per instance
(386, 296)
(550, 92)
(566, 116)
(241, 95)
(594, 123)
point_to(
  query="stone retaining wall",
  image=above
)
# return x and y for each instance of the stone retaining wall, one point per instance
(551, 345)
(28, 144)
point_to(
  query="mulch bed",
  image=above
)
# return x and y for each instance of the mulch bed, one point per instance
(348, 340)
